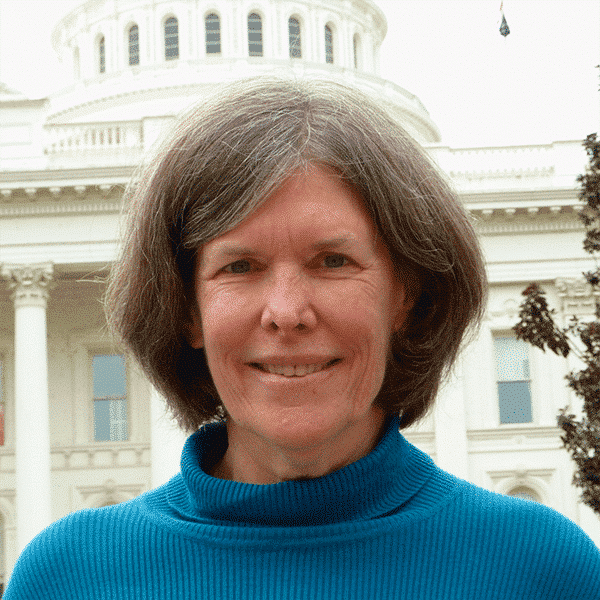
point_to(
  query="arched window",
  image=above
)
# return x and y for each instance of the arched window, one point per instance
(171, 39)
(524, 493)
(255, 45)
(212, 28)
(328, 45)
(134, 45)
(295, 40)
(101, 55)
(356, 48)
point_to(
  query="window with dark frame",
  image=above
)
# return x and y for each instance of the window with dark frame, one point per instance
(134, 46)
(212, 29)
(171, 39)
(101, 55)
(255, 42)
(328, 45)
(295, 39)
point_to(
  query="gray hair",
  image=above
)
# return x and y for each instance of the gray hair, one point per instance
(221, 162)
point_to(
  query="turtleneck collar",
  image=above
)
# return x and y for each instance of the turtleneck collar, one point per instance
(377, 485)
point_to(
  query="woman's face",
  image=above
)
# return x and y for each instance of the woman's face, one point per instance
(297, 306)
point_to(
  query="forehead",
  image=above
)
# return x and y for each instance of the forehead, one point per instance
(315, 202)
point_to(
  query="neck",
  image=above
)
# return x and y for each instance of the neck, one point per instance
(257, 461)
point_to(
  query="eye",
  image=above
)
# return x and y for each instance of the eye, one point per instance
(335, 261)
(239, 267)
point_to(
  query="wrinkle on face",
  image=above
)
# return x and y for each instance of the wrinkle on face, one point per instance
(286, 300)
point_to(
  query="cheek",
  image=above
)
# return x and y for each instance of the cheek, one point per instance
(371, 306)
(365, 328)
(225, 318)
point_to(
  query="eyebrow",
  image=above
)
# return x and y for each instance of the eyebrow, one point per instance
(339, 242)
(228, 249)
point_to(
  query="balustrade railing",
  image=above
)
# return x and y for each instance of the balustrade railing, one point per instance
(510, 159)
(94, 137)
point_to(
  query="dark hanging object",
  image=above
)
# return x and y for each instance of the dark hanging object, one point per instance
(504, 30)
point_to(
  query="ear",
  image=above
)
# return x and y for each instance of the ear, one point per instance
(407, 293)
(402, 315)
(193, 333)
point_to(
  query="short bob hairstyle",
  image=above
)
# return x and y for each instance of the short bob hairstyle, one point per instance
(222, 161)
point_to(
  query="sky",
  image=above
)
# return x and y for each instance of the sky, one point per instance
(537, 85)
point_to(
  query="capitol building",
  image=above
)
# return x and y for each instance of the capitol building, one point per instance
(80, 426)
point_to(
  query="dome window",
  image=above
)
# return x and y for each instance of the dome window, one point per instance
(328, 45)
(102, 55)
(134, 46)
(295, 39)
(171, 39)
(255, 45)
(356, 48)
(76, 64)
(212, 28)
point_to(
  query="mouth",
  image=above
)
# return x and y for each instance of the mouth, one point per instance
(295, 370)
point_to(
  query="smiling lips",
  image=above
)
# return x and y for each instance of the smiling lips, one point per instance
(294, 370)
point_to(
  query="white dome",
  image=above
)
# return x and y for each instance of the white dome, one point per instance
(148, 59)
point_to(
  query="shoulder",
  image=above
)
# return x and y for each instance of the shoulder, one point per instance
(549, 550)
(498, 509)
(74, 553)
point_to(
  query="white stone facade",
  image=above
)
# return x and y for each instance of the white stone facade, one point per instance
(63, 164)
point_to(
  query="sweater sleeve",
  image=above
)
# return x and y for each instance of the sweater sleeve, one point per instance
(571, 569)
(68, 560)
(523, 549)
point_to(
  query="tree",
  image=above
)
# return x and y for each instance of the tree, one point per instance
(580, 437)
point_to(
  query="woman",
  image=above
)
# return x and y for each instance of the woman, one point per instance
(297, 279)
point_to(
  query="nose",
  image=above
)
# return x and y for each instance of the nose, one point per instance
(287, 304)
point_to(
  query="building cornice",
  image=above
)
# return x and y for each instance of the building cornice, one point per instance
(548, 196)
(48, 178)
(504, 224)
(63, 191)
(99, 190)
(46, 209)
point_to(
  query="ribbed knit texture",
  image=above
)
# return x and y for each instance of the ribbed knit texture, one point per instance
(389, 526)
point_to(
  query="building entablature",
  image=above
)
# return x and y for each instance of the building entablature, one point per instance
(65, 190)
(510, 204)
(71, 198)
(35, 185)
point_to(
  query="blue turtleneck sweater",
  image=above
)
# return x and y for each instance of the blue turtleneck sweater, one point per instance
(389, 526)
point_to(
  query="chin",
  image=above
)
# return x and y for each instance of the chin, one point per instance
(308, 429)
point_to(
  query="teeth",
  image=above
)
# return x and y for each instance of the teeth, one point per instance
(294, 370)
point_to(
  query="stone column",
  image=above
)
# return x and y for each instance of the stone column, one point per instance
(167, 441)
(30, 284)
(450, 425)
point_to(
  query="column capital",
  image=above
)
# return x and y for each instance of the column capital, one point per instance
(577, 296)
(30, 283)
